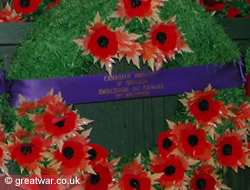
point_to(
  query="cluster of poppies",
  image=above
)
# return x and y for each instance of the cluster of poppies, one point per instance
(204, 143)
(163, 41)
(214, 5)
(189, 154)
(22, 7)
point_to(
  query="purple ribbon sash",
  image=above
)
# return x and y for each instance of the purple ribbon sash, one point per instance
(98, 88)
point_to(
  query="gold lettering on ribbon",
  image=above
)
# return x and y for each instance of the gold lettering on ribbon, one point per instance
(153, 87)
(113, 90)
(126, 87)
(136, 82)
(117, 77)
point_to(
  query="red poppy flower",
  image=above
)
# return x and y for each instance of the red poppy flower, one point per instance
(204, 108)
(103, 42)
(167, 143)
(102, 179)
(9, 15)
(133, 177)
(231, 151)
(141, 9)
(100, 42)
(58, 123)
(97, 154)
(26, 6)
(206, 179)
(165, 37)
(233, 12)
(173, 168)
(58, 126)
(168, 39)
(192, 141)
(73, 156)
(28, 155)
(212, 5)
(248, 1)
(137, 8)
(55, 3)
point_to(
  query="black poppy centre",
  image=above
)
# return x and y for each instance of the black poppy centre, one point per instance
(193, 140)
(161, 37)
(136, 3)
(60, 124)
(204, 105)
(103, 42)
(170, 170)
(25, 3)
(68, 152)
(227, 150)
(92, 154)
(201, 183)
(238, 16)
(134, 183)
(209, 3)
(26, 149)
(167, 143)
(95, 179)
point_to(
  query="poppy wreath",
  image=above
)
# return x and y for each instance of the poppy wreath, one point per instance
(50, 140)
(137, 174)
(229, 8)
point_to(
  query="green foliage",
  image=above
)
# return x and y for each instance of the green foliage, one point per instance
(1, 63)
(7, 114)
(233, 95)
(248, 60)
(49, 51)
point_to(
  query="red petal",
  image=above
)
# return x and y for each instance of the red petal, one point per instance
(32, 7)
(212, 5)
(167, 143)
(140, 11)
(101, 154)
(233, 12)
(57, 2)
(111, 49)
